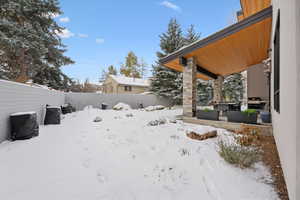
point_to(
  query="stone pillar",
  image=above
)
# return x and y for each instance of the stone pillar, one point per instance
(190, 88)
(217, 85)
(244, 105)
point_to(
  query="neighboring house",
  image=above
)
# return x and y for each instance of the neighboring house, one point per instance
(266, 31)
(121, 84)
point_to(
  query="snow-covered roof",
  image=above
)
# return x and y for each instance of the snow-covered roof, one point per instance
(123, 80)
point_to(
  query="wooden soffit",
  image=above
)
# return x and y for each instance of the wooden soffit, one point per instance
(230, 50)
(251, 7)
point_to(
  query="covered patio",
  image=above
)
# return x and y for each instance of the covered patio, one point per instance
(231, 50)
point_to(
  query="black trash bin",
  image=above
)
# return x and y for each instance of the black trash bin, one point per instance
(23, 126)
(52, 115)
(104, 106)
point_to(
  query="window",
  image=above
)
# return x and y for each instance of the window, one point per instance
(277, 65)
(128, 88)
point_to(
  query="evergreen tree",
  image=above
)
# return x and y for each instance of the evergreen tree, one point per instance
(233, 88)
(191, 36)
(167, 82)
(112, 70)
(53, 78)
(29, 39)
(142, 67)
(131, 66)
(103, 76)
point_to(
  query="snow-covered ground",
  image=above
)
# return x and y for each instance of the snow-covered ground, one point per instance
(121, 158)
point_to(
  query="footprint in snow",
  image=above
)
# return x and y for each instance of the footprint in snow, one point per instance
(101, 178)
(86, 163)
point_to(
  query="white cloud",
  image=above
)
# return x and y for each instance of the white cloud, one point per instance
(65, 33)
(64, 19)
(170, 5)
(99, 40)
(82, 35)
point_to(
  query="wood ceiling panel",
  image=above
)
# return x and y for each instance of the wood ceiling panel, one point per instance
(233, 53)
(250, 7)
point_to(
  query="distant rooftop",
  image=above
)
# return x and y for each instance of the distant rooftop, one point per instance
(123, 80)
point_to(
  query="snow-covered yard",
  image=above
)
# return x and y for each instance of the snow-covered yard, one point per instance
(122, 158)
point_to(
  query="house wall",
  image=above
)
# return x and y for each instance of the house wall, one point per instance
(135, 90)
(16, 97)
(257, 82)
(285, 122)
(81, 100)
(112, 87)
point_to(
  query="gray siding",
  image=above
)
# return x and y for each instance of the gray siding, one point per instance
(15, 97)
(80, 100)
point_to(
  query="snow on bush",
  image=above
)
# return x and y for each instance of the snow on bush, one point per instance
(157, 122)
(238, 155)
(98, 119)
(153, 108)
(88, 107)
(122, 106)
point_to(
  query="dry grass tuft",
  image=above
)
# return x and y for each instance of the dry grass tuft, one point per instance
(241, 156)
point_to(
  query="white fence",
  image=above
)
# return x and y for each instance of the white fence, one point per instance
(16, 97)
(80, 100)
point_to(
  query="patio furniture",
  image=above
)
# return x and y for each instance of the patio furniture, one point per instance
(52, 115)
(23, 126)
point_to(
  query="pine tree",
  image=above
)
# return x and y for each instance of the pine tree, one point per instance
(131, 66)
(191, 36)
(112, 70)
(28, 38)
(53, 78)
(142, 67)
(167, 82)
(233, 88)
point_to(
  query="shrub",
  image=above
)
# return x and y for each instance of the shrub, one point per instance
(207, 110)
(157, 122)
(248, 136)
(249, 112)
(240, 156)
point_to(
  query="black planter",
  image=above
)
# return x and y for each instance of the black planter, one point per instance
(52, 115)
(208, 115)
(265, 117)
(23, 126)
(240, 117)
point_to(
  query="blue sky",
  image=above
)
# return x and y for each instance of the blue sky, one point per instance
(100, 33)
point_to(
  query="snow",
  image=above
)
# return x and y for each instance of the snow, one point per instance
(123, 80)
(23, 113)
(153, 108)
(122, 158)
(122, 106)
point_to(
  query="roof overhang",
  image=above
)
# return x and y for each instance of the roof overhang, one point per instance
(228, 51)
